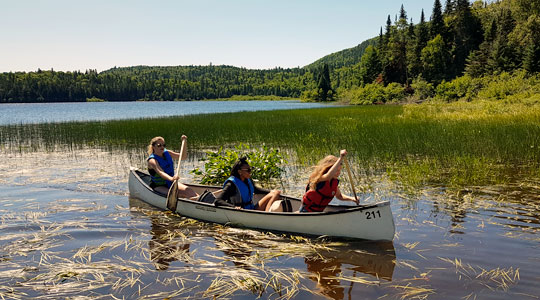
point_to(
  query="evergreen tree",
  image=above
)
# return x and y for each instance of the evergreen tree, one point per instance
(503, 54)
(449, 7)
(422, 37)
(324, 87)
(387, 30)
(468, 35)
(437, 21)
(531, 63)
(402, 13)
(381, 41)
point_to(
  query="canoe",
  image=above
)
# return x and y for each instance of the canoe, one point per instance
(369, 221)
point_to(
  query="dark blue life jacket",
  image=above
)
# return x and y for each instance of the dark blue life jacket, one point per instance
(244, 192)
(166, 163)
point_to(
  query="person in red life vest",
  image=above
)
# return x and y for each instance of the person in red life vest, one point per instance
(161, 168)
(323, 184)
(238, 190)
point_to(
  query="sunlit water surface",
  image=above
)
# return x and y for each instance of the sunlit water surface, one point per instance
(68, 228)
(32, 113)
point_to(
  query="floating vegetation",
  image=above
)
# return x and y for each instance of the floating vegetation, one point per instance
(493, 279)
(413, 292)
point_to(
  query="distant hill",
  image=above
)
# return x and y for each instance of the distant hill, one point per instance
(343, 58)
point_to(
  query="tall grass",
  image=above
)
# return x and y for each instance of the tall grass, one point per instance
(458, 143)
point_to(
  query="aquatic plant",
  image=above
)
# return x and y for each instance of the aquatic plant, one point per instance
(266, 163)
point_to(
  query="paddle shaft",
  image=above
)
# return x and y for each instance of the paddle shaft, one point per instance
(350, 177)
(173, 191)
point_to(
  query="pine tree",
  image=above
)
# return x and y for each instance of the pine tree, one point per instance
(324, 86)
(437, 21)
(380, 40)
(531, 60)
(503, 55)
(531, 63)
(468, 35)
(394, 57)
(422, 37)
(387, 30)
(449, 7)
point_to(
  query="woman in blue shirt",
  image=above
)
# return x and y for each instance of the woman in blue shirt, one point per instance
(161, 168)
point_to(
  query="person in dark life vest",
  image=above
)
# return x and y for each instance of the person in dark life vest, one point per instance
(238, 190)
(161, 168)
(323, 184)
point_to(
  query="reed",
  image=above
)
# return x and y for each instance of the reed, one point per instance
(456, 144)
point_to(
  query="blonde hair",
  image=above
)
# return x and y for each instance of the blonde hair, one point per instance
(152, 141)
(320, 169)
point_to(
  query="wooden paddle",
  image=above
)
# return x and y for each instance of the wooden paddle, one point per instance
(172, 198)
(350, 178)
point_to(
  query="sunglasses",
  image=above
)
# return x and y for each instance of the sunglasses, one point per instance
(159, 145)
(247, 170)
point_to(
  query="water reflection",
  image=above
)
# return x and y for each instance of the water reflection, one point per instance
(333, 265)
(328, 266)
(166, 244)
(163, 249)
(236, 249)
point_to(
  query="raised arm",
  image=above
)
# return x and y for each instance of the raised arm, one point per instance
(333, 171)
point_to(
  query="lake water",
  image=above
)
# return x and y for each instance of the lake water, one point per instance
(68, 229)
(26, 113)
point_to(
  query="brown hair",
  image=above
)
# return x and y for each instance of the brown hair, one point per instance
(320, 169)
(152, 142)
(238, 165)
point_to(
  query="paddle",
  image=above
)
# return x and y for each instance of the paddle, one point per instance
(350, 178)
(172, 198)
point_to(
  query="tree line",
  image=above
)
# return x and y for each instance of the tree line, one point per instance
(460, 38)
(151, 83)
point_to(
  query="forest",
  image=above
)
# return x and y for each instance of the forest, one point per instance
(463, 50)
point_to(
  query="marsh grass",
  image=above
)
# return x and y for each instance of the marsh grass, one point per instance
(456, 144)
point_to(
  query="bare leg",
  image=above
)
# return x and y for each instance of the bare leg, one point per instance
(185, 192)
(266, 202)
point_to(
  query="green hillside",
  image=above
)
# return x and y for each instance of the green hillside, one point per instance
(343, 58)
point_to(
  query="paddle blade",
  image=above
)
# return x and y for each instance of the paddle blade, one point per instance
(172, 198)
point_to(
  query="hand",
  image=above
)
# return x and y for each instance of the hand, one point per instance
(342, 153)
(175, 177)
(184, 138)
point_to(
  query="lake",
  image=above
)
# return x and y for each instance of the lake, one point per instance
(26, 113)
(69, 229)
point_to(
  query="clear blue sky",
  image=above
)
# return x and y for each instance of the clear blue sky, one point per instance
(70, 35)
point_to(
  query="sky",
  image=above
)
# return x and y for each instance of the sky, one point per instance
(71, 35)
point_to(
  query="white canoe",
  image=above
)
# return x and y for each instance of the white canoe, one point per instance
(370, 222)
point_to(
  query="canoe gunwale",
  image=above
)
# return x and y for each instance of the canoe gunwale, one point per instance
(343, 209)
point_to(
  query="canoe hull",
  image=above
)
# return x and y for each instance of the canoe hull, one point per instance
(370, 222)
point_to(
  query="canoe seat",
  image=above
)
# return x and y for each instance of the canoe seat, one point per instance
(209, 197)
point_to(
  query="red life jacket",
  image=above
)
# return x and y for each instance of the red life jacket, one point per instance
(317, 200)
